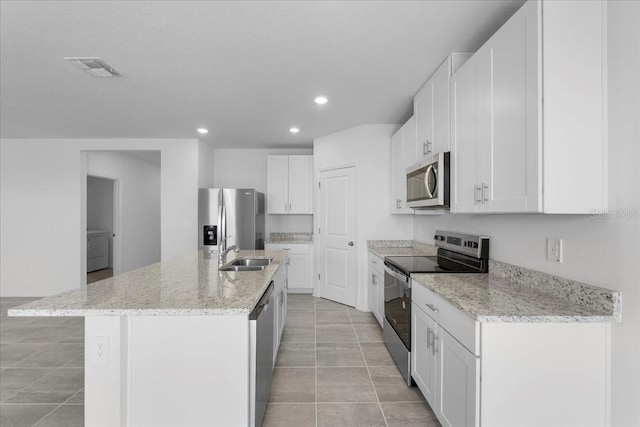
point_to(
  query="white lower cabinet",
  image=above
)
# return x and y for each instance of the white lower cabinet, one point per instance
(521, 374)
(445, 371)
(280, 312)
(423, 357)
(376, 287)
(457, 381)
(300, 268)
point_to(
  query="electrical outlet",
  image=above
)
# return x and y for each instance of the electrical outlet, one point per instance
(554, 249)
(101, 350)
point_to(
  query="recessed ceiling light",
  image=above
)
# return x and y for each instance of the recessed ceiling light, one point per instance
(203, 131)
(321, 100)
(294, 130)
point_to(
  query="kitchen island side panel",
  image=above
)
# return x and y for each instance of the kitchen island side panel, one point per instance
(169, 370)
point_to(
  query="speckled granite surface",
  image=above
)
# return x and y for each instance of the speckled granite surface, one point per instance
(383, 248)
(187, 285)
(579, 293)
(490, 298)
(290, 238)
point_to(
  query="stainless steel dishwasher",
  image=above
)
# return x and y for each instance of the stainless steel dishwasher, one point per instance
(261, 335)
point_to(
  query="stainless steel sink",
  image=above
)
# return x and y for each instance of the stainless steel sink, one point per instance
(243, 268)
(252, 262)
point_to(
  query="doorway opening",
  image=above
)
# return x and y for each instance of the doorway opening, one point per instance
(101, 216)
(120, 203)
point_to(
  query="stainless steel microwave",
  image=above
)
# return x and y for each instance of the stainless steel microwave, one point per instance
(428, 182)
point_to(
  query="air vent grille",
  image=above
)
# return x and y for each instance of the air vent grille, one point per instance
(93, 66)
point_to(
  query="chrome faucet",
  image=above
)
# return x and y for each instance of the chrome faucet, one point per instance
(223, 251)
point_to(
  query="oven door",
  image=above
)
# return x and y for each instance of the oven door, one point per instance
(428, 182)
(397, 303)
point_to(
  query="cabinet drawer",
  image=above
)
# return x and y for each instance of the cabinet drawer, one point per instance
(294, 248)
(376, 263)
(459, 325)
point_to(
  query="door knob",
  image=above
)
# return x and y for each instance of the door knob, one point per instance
(350, 243)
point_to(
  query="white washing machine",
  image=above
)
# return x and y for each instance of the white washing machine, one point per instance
(97, 250)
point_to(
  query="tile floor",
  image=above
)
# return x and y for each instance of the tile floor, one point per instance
(41, 369)
(332, 370)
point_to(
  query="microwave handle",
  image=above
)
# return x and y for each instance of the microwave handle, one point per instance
(426, 181)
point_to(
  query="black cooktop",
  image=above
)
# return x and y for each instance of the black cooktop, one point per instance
(415, 264)
(426, 264)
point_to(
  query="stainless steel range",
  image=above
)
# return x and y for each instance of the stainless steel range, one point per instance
(457, 253)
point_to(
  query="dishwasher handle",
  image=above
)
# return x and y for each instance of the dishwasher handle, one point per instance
(263, 304)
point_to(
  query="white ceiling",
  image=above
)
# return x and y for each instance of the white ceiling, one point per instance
(246, 70)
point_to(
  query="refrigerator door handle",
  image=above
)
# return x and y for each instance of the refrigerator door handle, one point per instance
(221, 226)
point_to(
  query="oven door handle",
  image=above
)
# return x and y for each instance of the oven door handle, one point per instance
(397, 275)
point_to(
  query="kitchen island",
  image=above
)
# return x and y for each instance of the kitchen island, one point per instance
(167, 344)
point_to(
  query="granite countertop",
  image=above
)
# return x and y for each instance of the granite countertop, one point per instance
(383, 248)
(187, 285)
(491, 298)
(290, 238)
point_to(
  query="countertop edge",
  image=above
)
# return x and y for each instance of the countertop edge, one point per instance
(486, 318)
(125, 312)
(245, 307)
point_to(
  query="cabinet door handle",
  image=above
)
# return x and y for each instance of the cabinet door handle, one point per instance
(424, 148)
(432, 307)
(433, 344)
(429, 336)
(373, 279)
(485, 193)
(477, 197)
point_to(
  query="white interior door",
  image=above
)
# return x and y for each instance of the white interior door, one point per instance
(336, 237)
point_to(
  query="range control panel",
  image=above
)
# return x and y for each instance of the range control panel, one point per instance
(470, 244)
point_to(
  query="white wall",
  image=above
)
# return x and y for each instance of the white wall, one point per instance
(601, 251)
(43, 181)
(368, 148)
(247, 168)
(139, 188)
(100, 208)
(206, 158)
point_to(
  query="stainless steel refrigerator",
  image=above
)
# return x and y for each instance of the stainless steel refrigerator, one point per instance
(234, 214)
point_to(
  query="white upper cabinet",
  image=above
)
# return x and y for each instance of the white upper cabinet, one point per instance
(530, 156)
(402, 156)
(289, 181)
(431, 108)
(464, 156)
(423, 112)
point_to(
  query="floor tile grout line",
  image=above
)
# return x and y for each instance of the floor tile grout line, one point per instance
(315, 333)
(46, 415)
(32, 383)
(370, 379)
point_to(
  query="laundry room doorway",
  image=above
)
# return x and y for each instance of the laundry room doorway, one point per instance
(120, 199)
(103, 254)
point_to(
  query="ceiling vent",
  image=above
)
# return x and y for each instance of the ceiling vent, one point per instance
(95, 67)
